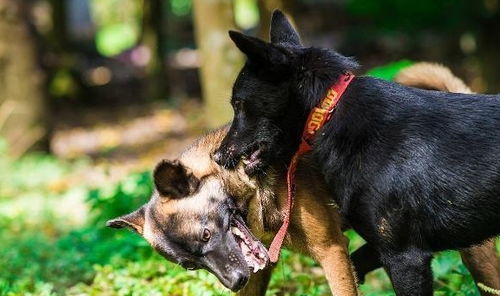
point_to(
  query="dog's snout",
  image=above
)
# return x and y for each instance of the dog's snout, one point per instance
(225, 155)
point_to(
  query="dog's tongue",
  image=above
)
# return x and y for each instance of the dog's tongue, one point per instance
(253, 250)
(255, 155)
(252, 161)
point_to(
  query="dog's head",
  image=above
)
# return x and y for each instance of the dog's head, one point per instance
(192, 221)
(261, 97)
(272, 95)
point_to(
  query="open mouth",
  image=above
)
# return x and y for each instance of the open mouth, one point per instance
(252, 159)
(253, 251)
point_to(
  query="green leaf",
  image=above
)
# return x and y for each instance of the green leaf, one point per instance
(389, 71)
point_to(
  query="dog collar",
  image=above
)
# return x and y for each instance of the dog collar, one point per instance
(318, 117)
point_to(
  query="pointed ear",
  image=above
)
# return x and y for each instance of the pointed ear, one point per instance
(258, 50)
(282, 30)
(134, 221)
(172, 179)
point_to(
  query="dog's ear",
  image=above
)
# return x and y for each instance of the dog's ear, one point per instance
(258, 50)
(282, 30)
(173, 180)
(134, 221)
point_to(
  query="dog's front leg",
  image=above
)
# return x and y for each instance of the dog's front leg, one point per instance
(323, 239)
(365, 259)
(257, 284)
(334, 259)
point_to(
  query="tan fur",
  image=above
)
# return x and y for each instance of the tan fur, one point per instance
(319, 233)
(315, 228)
(187, 207)
(483, 265)
(150, 233)
(432, 76)
(482, 260)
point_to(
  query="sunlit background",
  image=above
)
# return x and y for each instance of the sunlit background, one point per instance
(94, 92)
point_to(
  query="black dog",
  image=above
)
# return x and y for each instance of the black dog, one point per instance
(413, 171)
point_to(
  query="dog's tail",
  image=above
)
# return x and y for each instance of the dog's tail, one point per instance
(432, 76)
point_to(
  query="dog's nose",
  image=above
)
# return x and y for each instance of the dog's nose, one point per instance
(218, 157)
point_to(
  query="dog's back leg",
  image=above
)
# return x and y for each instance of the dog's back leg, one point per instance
(410, 271)
(481, 260)
(483, 264)
(365, 259)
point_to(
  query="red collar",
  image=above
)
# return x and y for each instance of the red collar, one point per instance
(318, 117)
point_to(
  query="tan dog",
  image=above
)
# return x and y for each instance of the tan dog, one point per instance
(180, 222)
(199, 214)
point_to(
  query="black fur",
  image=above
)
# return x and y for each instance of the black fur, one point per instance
(414, 171)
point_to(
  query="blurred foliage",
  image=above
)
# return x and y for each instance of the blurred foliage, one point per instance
(32, 174)
(114, 39)
(62, 84)
(414, 15)
(116, 199)
(117, 29)
(181, 7)
(59, 253)
(246, 13)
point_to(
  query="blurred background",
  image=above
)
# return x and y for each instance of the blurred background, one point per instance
(94, 92)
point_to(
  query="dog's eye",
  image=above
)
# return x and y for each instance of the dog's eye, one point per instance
(206, 235)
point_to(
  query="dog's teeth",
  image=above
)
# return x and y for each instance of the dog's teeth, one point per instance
(237, 232)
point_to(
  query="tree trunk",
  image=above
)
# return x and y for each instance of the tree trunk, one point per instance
(154, 38)
(22, 108)
(59, 34)
(220, 59)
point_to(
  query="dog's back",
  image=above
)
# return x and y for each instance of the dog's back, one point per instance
(437, 152)
(481, 260)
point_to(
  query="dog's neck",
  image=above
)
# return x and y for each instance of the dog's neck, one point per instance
(318, 69)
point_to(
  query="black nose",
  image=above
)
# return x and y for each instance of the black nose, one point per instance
(218, 157)
(239, 280)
